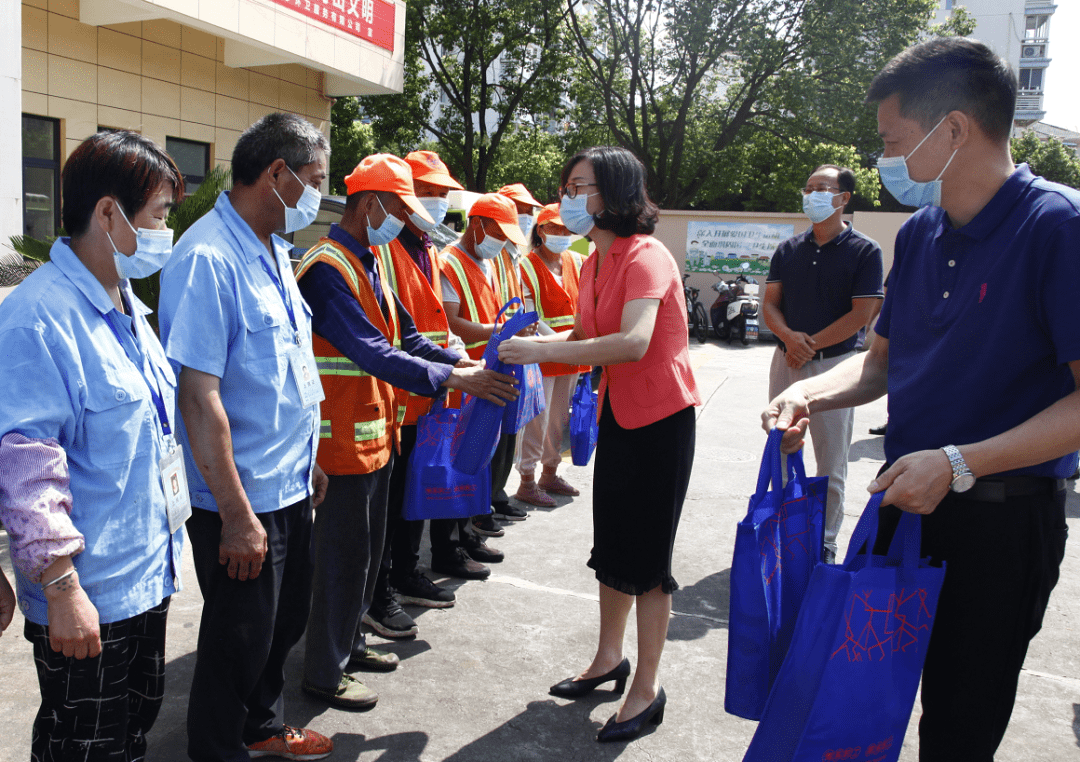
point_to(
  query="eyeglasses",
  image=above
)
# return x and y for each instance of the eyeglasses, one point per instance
(819, 189)
(570, 190)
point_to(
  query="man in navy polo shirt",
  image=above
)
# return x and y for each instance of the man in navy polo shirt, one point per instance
(822, 288)
(978, 350)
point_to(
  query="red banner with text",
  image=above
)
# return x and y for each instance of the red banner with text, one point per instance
(371, 20)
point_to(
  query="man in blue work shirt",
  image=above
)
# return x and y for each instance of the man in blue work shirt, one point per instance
(823, 286)
(367, 345)
(978, 350)
(234, 323)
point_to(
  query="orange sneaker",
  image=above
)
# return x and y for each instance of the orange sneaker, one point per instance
(293, 743)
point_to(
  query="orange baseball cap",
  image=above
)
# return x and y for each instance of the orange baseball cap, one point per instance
(549, 214)
(386, 172)
(427, 166)
(501, 209)
(518, 192)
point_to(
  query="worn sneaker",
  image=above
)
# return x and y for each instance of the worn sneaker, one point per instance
(370, 660)
(528, 492)
(486, 526)
(421, 591)
(557, 485)
(293, 743)
(458, 564)
(508, 512)
(479, 550)
(390, 620)
(349, 694)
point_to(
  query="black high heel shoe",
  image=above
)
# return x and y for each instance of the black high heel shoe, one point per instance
(628, 730)
(571, 688)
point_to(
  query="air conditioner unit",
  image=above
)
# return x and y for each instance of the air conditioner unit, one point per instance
(1032, 51)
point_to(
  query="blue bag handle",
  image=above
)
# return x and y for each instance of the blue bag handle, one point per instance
(772, 470)
(905, 545)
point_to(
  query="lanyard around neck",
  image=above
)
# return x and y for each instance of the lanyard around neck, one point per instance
(284, 297)
(150, 378)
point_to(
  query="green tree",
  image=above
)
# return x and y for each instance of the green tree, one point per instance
(961, 23)
(350, 141)
(474, 69)
(532, 156)
(1051, 158)
(679, 82)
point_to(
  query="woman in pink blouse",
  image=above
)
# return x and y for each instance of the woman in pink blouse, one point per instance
(631, 319)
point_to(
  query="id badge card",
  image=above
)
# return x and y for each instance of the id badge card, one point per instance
(174, 481)
(306, 376)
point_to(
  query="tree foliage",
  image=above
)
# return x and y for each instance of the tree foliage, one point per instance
(474, 70)
(961, 23)
(679, 82)
(1051, 158)
(350, 141)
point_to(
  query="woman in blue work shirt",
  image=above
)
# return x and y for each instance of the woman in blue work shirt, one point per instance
(92, 491)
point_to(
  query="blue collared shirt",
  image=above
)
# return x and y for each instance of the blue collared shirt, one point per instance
(222, 314)
(982, 320)
(420, 366)
(66, 376)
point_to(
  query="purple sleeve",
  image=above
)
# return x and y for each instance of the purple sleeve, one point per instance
(35, 503)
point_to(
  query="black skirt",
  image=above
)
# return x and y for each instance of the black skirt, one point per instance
(639, 484)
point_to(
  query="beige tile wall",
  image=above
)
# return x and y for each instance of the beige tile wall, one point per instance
(159, 78)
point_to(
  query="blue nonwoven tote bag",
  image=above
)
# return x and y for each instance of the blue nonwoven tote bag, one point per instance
(584, 425)
(777, 545)
(848, 684)
(434, 489)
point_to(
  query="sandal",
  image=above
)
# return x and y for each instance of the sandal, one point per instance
(528, 492)
(558, 485)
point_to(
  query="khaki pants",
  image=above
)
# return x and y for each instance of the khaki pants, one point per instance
(830, 434)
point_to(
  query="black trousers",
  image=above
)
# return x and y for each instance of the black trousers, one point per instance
(101, 708)
(401, 556)
(1002, 560)
(246, 632)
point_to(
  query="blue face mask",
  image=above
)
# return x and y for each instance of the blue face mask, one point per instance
(818, 206)
(387, 231)
(557, 244)
(306, 209)
(436, 208)
(895, 178)
(152, 250)
(490, 247)
(525, 222)
(574, 215)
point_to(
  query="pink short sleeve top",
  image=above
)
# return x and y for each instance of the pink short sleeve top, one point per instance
(662, 382)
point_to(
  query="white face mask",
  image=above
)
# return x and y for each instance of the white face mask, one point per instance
(489, 248)
(306, 209)
(525, 222)
(388, 229)
(557, 244)
(152, 250)
(436, 208)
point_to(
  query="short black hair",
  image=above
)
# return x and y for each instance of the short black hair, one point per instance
(620, 180)
(950, 74)
(118, 163)
(276, 136)
(845, 178)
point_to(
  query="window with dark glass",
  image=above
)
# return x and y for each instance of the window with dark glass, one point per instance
(193, 159)
(1031, 79)
(41, 176)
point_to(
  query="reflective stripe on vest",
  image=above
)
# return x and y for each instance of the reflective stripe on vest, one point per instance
(324, 430)
(338, 366)
(365, 431)
(383, 252)
(327, 250)
(463, 281)
(529, 271)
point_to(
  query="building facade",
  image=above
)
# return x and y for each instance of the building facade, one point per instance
(190, 74)
(1019, 31)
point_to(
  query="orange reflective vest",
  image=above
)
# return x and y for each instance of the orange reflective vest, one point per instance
(359, 415)
(423, 300)
(479, 302)
(555, 304)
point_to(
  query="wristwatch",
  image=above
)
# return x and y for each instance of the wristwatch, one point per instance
(962, 478)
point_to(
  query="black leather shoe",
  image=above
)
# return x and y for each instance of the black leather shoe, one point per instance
(479, 550)
(628, 730)
(879, 431)
(571, 688)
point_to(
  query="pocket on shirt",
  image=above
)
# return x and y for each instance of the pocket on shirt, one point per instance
(267, 329)
(114, 422)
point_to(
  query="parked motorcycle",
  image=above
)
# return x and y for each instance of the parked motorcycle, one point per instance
(735, 312)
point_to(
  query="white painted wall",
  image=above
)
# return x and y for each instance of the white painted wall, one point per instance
(11, 123)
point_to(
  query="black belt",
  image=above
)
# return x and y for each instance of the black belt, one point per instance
(998, 489)
(834, 351)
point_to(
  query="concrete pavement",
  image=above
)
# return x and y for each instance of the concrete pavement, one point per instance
(473, 686)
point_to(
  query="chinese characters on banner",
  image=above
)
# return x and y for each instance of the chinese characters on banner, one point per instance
(371, 20)
(733, 247)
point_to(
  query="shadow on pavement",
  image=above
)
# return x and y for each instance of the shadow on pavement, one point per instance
(700, 607)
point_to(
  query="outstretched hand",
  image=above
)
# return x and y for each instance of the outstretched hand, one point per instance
(485, 384)
(519, 351)
(789, 412)
(915, 483)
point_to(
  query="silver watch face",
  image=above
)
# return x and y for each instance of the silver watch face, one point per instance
(963, 482)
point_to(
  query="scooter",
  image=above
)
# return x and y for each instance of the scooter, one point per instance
(735, 312)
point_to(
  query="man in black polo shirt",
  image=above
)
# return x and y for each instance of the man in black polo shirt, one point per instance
(822, 288)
